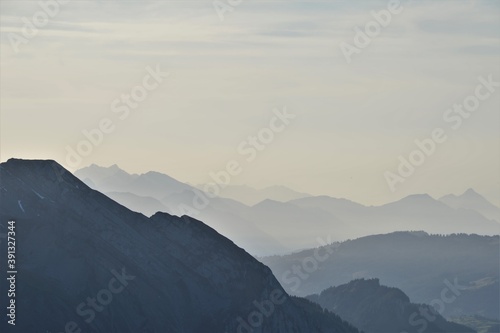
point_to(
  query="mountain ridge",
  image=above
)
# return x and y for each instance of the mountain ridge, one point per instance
(339, 218)
(376, 308)
(418, 263)
(72, 239)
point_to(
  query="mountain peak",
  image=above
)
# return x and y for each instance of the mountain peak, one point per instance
(47, 169)
(98, 168)
(268, 202)
(471, 193)
(20, 162)
(418, 198)
(424, 196)
(115, 167)
(156, 174)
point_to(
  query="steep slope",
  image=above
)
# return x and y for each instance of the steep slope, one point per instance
(419, 264)
(470, 199)
(224, 216)
(380, 309)
(85, 261)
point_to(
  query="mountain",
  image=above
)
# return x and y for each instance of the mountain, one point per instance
(470, 199)
(251, 196)
(276, 227)
(414, 212)
(86, 263)
(337, 206)
(227, 217)
(267, 228)
(480, 324)
(422, 212)
(113, 179)
(295, 226)
(423, 266)
(379, 309)
(152, 192)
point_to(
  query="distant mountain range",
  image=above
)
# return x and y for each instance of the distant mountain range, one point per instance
(113, 179)
(423, 266)
(86, 263)
(251, 196)
(375, 308)
(473, 201)
(273, 226)
(91, 263)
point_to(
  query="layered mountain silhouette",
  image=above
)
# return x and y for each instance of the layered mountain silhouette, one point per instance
(178, 198)
(85, 261)
(472, 200)
(251, 196)
(272, 226)
(113, 179)
(419, 264)
(414, 212)
(375, 308)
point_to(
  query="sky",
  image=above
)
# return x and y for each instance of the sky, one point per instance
(352, 115)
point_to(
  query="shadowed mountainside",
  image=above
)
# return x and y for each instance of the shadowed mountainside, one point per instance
(379, 309)
(421, 265)
(76, 247)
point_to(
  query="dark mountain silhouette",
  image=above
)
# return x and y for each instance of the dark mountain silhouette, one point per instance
(379, 309)
(421, 265)
(85, 260)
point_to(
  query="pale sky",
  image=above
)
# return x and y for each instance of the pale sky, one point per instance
(226, 77)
